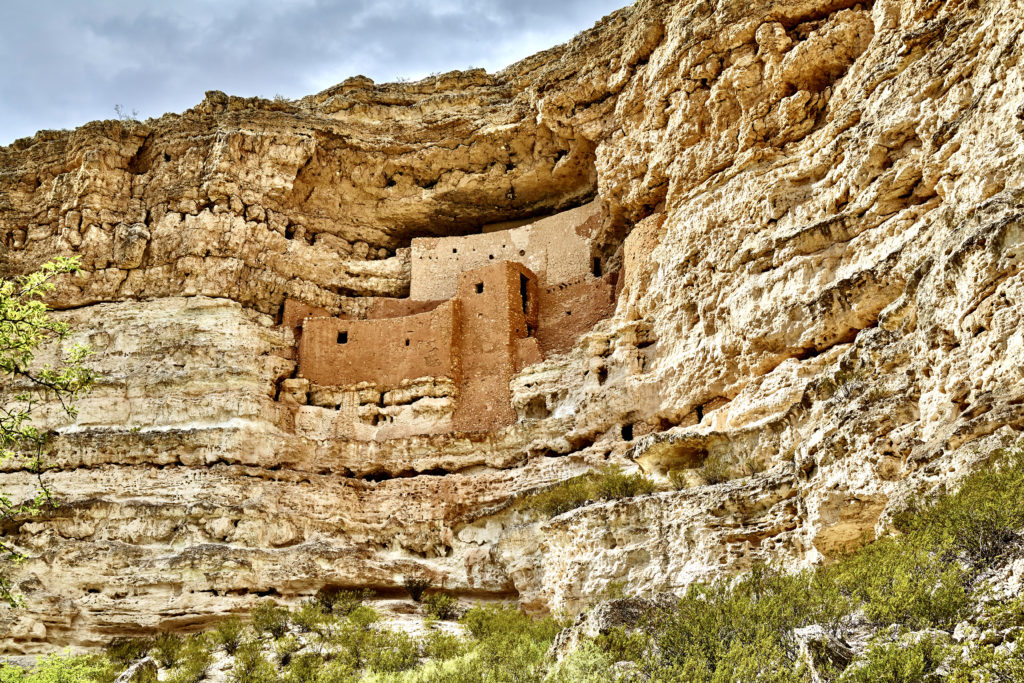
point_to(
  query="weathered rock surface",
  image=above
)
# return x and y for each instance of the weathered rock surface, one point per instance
(818, 206)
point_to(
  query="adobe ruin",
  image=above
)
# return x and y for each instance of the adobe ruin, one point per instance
(481, 308)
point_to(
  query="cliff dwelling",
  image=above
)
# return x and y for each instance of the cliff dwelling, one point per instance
(480, 309)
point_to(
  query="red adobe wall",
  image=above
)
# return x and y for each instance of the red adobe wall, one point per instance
(569, 311)
(495, 340)
(381, 351)
(398, 308)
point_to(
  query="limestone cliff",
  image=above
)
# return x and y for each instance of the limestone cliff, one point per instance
(816, 210)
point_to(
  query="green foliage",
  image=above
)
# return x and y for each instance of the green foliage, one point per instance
(309, 617)
(897, 581)
(607, 484)
(714, 470)
(337, 600)
(228, 633)
(25, 327)
(441, 606)
(167, 649)
(56, 669)
(194, 659)
(362, 616)
(124, 651)
(586, 663)
(415, 586)
(251, 666)
(897, 662)
(509, 646)
(442, 646)
(268, 618)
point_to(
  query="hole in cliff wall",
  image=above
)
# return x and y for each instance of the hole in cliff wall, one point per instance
(536, 409)
(406, 342)
(597, 266)
(343, 337)
(479, 288)
(627, 432)
(167, 157)
(602, 375)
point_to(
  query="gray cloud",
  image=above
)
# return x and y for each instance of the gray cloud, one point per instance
(66, 62)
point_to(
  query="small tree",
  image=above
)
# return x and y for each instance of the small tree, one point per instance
(25, 326)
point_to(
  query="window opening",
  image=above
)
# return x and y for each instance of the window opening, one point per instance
(406, 342)
(479, 288)
(343, 337)
(627, 432)
(597, 266)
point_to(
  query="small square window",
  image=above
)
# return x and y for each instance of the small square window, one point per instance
(455, 251)
(343, 337)
(406, 342)
(479, 288)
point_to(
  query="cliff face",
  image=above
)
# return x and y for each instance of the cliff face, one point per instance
(817, 212)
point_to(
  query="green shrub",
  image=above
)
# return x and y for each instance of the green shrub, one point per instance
(269, 618)
(441, 605)
(586, 663)
(228, 633)
(897, 662)
(56, 668)
(194, 661)
(442, 646)
(167, 649)
(309, 616)
(678, 479)
(607, 484)
(612, 484)
(123, 651)
(362, 617)
(508, 645)
(391, 651)
(337, 600)
(251, 666)
(714, 470)
(415, 586)
(898, 582)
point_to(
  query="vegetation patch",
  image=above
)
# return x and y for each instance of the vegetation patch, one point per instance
(610, 483)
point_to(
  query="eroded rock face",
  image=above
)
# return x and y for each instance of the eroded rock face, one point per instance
(818, 210)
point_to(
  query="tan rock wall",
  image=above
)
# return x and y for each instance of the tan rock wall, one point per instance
(822, 285)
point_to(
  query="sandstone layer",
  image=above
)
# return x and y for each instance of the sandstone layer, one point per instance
(816, 208)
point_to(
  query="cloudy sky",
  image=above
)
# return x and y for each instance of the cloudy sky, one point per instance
(66, 62)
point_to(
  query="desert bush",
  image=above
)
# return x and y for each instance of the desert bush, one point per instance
(585, 663)
(56, 668)
(506, 644)
(124, 651)
(714, 470)
(251, 666)
(898, 582)
(340, 601)
(678, 480)
(441, 605)
(228, 633)
(194, 660)
(362, 616)
(897, 662)
(607, 484)
(415, 586)
(285, 647)
(309, 616)
(390, 651)
(269, 618)
(442, 646)
(167, 649)
(612, 484)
